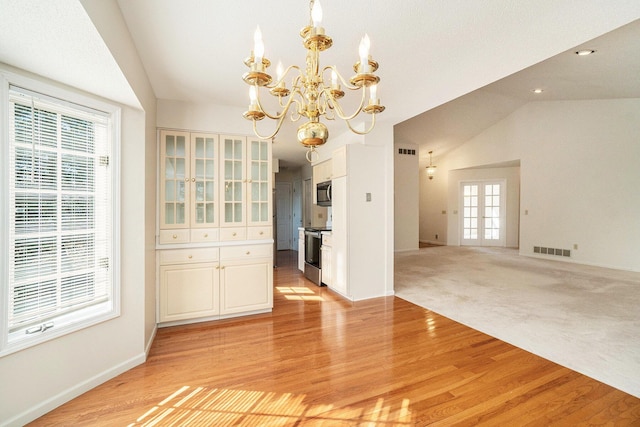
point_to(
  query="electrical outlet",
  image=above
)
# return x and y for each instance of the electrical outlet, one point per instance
(368, 197)
(436, 237)
(575, 246)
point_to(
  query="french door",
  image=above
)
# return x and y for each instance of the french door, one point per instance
(483, 213)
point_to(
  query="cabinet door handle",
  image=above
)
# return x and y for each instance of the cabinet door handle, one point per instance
(217, 267)
(186, 180)
(261, 233)
(193, 180)
(190, 256)
(175, 236)
(248, 253)
(222, 267)
(234, 234)
(206, 235)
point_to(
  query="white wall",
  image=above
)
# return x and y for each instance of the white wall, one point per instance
(579, 176)
(433, 202)
(38, 379)
(406, 200)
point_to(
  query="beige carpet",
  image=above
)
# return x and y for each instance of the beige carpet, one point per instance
(585, 318)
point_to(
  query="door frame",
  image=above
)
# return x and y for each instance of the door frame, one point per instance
(288, 221)
(503, 210)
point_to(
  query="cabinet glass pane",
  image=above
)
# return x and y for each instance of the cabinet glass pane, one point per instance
(210, 191)
(237, 149)
(180, 213)
(180, 192)
(210, 212)
(228, 148)
(264, 212)
(199, 169)
(169, 217)
(170, 145)
(210, 170)
(199, 213)
(255, 171)
(263, 192)
(180, 146)
(199, 147)
(199, 191)
(237, 193)
(238, 212)
(255, 191)
(255, 150)
(228, 212)
(228, 170)
(170, 191)
(170, 168)
(209, 147)
(263, 171)
(180, 168)
(264, 150)
(255, 211)
(237, 170)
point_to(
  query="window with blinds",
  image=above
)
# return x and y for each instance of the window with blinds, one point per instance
(60, 220)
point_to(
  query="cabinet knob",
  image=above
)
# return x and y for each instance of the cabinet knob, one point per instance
(190, 256)
(222, 267)
(248, 253)
(175, 236)
(234, 234)
(261, 233)
(186, 180)
(193, 180)
(206, 235)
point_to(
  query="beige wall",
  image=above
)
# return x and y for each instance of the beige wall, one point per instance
(406, 200)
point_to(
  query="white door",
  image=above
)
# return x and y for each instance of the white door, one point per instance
(483, 213)
(283, 212)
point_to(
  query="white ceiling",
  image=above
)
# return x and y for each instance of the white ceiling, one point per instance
(430, 51)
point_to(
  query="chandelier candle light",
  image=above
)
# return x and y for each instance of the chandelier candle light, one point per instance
(311, 97)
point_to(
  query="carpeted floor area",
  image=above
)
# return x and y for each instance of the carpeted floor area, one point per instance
(582, 317)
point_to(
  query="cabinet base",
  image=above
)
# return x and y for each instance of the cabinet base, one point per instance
(211, 318)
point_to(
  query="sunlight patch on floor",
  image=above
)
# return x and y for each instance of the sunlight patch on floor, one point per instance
(213, 406)
(299, 293)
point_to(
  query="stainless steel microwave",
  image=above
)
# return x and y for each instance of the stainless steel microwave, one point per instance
(323, 192)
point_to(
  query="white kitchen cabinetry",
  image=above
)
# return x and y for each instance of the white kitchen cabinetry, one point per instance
(358, 258)
(301, 242)
(212, 283)
(246, 279)
(245, 186)
(325, 259)
(188, 185)
(189, 284)
(215, 247)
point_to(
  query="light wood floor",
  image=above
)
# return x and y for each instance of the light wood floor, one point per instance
(319, 360)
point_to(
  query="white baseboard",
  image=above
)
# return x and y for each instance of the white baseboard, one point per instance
(72, 392)
(147, 348)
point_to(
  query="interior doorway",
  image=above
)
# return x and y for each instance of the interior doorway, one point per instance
(283, 216)
(483, 216)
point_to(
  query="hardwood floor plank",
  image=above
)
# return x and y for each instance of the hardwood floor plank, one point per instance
(319, 360)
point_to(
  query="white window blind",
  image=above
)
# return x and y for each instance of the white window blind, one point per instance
(60, 213)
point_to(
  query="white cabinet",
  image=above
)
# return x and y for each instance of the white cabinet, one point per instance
(358, 267)
(245, 183)
(325, 259)
(246, 279)
(301, 249)
(188, 182)
(189, 284)
(211, 283)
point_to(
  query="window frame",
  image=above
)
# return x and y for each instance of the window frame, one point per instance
(84, 317)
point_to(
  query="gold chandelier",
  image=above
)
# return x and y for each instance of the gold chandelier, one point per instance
(311, 97)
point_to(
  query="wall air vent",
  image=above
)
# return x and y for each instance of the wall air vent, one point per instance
(551, 251)
(407, 151)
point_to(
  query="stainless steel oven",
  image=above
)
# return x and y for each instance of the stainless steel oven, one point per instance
(312, 265)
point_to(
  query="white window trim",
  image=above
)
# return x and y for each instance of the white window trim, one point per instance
(78, 320)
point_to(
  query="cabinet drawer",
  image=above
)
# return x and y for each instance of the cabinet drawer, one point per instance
(174, 236)
(233, 233)
(326, 239)
(259, 233)
(249, 251)
(181, 256)
(199, 235)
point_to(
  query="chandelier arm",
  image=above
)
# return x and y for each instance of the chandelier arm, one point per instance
(373, 124)
(338, 107)
(344, 82)
(271, 136)
(273, 116)
(284, 76)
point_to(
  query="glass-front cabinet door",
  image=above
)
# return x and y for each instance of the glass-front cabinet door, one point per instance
(259, 191)
(204, 180)
(174, 179)
(233, 184)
